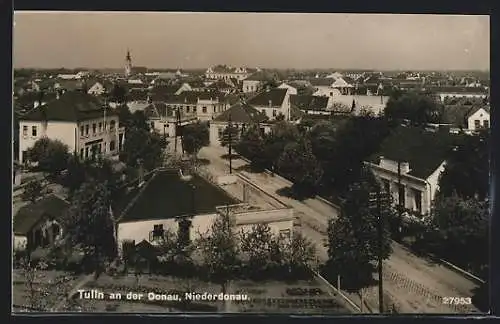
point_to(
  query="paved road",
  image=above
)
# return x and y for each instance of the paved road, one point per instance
(411, 271)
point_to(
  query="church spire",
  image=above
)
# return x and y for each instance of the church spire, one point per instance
(128, 64)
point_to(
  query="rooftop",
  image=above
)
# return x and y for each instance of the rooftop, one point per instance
(28, 216)
(242, 113)
(167, 196)
(273, 97)
(304, 102)
(423, 150)
(72, 106)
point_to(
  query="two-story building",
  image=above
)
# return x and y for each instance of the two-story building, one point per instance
(77, 119)
(224, 72)
(272, 102)
(409, 165)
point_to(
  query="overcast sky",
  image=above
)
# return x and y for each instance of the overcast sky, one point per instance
(193, 40)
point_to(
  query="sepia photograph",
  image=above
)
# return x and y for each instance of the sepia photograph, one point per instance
(276, 163)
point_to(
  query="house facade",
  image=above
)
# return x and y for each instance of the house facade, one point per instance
(224, 72)
(76, 119)
(414, 193)
(479, 118)
(272, 102)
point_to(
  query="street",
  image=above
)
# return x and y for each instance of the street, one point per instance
(404, 269)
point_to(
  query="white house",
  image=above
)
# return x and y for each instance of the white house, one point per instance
(272, 102)
(138, 225)
(409, 165)
(78, 120)
(478, 118)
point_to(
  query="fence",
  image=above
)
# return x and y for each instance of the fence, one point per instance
(416, 288)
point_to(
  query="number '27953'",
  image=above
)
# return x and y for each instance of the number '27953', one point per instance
(457, 300)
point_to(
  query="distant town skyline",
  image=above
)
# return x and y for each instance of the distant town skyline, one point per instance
(303, 41)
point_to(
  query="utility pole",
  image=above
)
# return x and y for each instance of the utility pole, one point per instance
(230, 131)
(400, 206)
(378, 198)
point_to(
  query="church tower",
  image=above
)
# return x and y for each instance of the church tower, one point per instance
(128, 64)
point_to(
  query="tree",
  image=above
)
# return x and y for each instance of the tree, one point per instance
(32, 191)
(467, 169)
(298, 164)
(418, 108)
(219, 248)
(251, 145)
(457, 225)
(145, 146)
(194, 137)
(51, 155)
(300, 254)
(353, 240)
(281, 134)
(119, 94)
(124, 116)
(257, 244)
(89, 223)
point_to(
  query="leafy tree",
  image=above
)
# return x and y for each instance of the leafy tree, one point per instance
(52, 155)
(251, 145)
(257, 245)
(458, 225)
(119, 94)
(124, 116)
(467, 169)
(76, 174)
(353, 238)
(143, 147)
(298, 164)
(89, 223)
(32, 191)
(194, 137)
(418, 108)
(220, 251)
(281, 134)
(299, 254)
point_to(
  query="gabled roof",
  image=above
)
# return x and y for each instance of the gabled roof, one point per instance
(423, 150)
(242, 113)
(304, 102)
(72, 106)
(137, 95)
(259, 76)
(27, 100)
(28, 216)
(274, 97)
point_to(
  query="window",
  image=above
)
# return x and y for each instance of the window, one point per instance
(220, 131)
(157, 232)
(275, 113)
(112, 145)
(33, 131)
(86, 152)
(86, 129)
(25, 130)
(387, 186)
(477, 124)
(401, 196)
(417, 194)
(486, 123)
(188, 109)
(331, 94)
(81, 130)
(100, 127)
(105, 126)
(81, 153)
(204, 110)
(94, 128)
(24, 156)
(112, 125)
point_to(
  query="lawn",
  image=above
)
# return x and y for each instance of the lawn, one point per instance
(168, 196)
(45, 281)
(304, 296)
